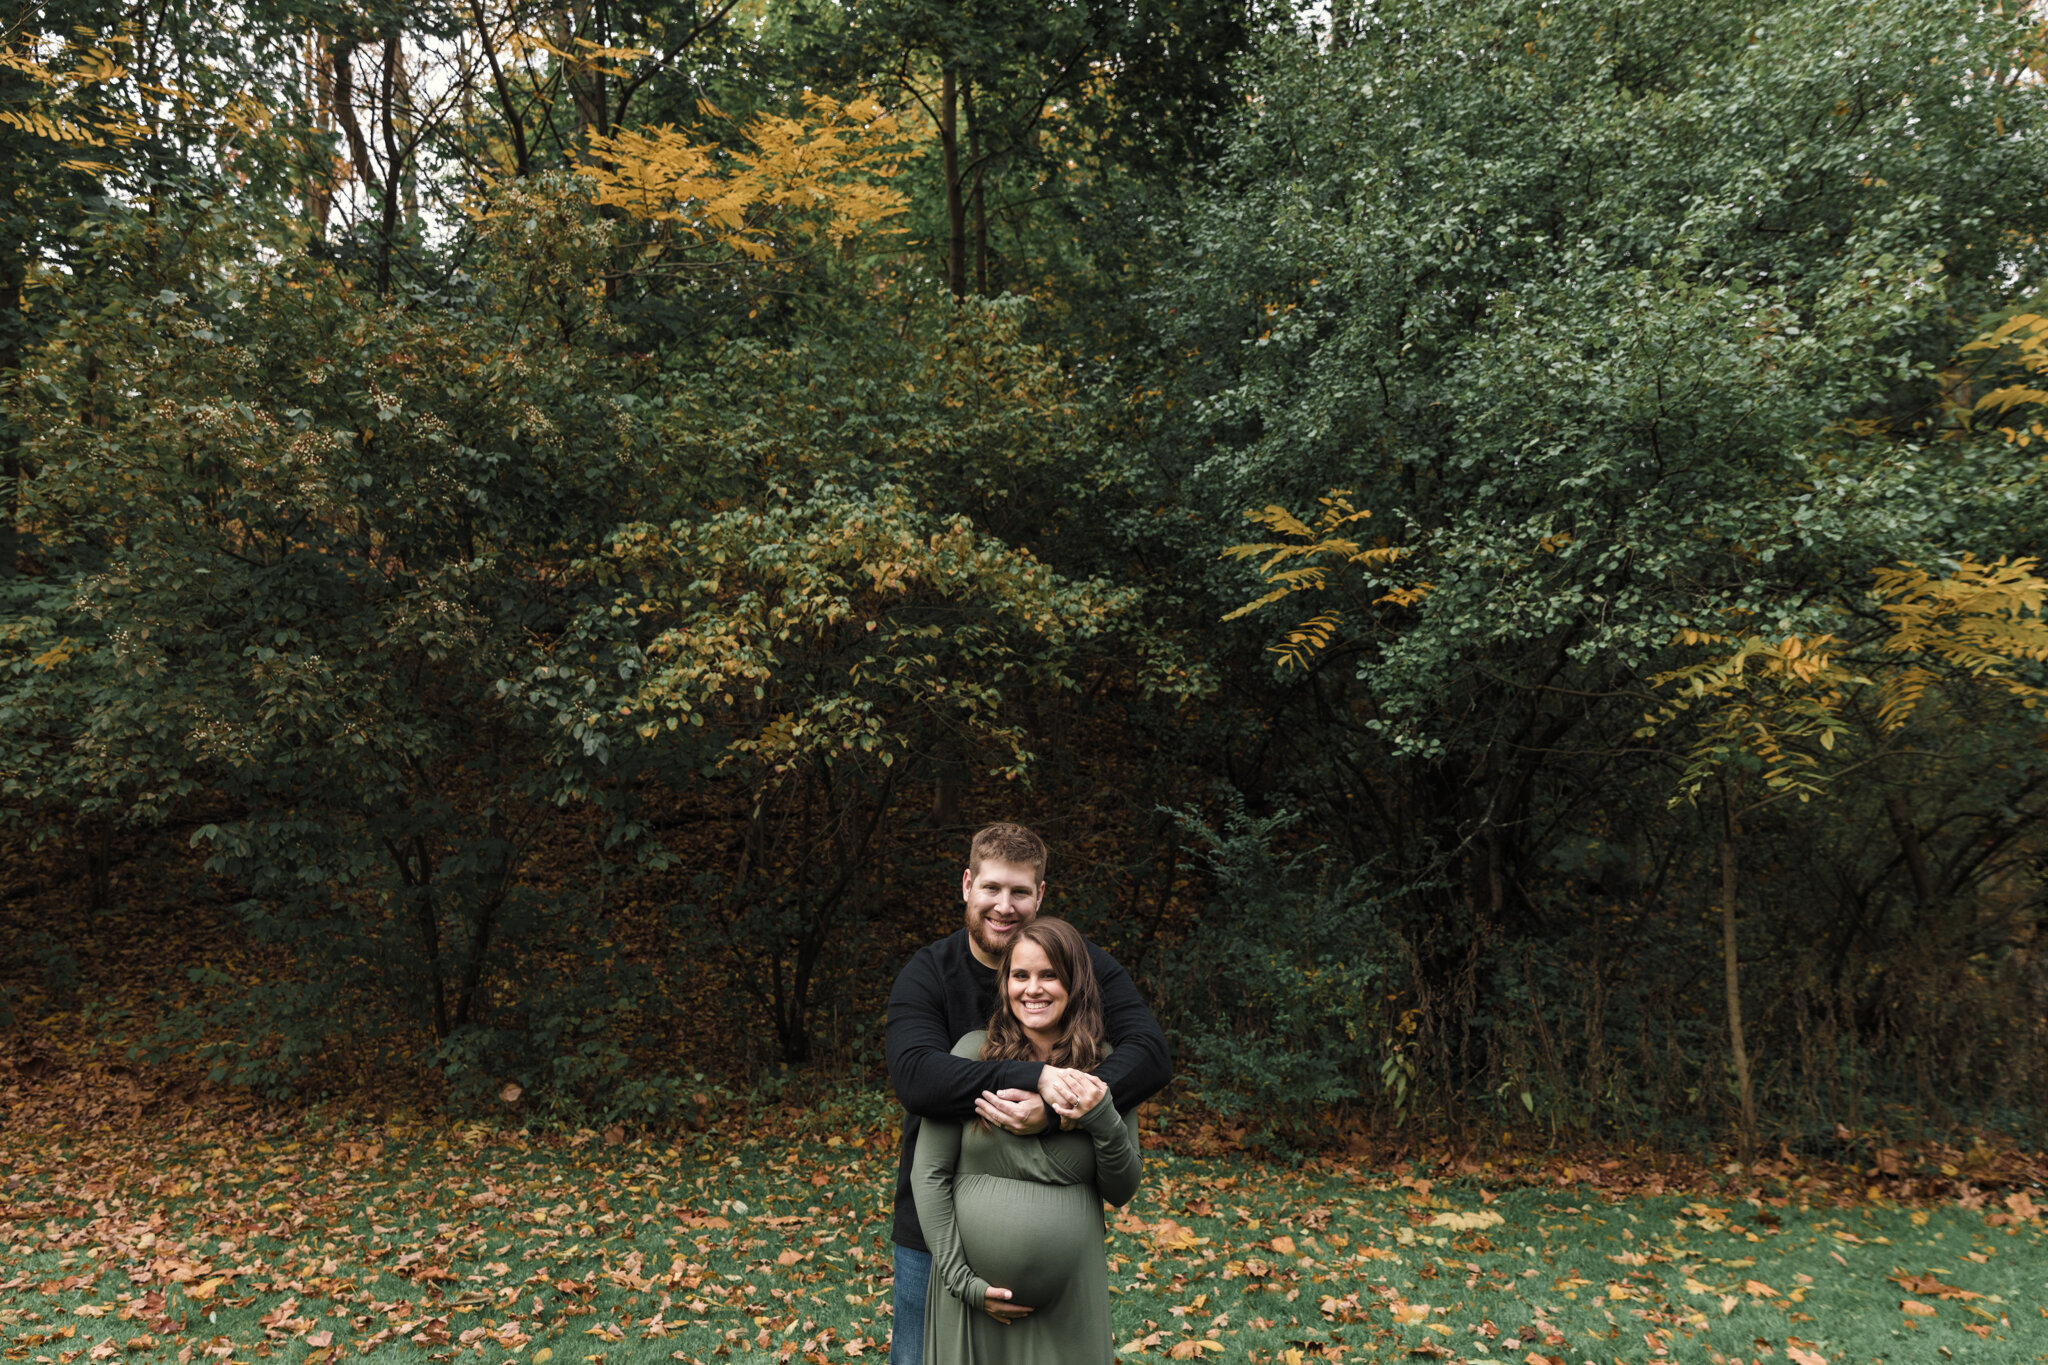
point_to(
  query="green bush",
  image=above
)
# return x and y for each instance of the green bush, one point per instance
(1273, 999)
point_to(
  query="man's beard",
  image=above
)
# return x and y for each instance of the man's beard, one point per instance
(995, 946)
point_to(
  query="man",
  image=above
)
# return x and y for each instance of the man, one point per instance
(948, 990)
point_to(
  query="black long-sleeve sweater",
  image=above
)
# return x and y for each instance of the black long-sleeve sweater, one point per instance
(944, 993)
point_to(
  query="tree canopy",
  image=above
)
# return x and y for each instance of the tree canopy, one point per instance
(1501, 545)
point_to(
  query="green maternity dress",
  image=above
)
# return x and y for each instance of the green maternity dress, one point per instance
(1024, 1214)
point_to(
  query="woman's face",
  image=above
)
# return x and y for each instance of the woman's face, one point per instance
(1036, 996)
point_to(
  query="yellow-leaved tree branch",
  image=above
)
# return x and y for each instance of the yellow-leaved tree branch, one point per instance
(59, 97)
(825, 177)
(2013, 359)
(1780, 705)
(79, 94)
(1303, 561)
(1774, 701)
(1978, 622)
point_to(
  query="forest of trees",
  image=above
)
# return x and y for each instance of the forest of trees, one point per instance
(1497, 542)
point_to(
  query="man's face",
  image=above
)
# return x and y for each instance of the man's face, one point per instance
(1001, 899)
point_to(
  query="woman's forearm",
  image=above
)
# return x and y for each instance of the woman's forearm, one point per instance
(931, 1186)
(1119, 1160)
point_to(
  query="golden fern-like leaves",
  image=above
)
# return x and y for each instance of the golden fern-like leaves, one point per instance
(1982, 618)
(1769, 700)
(63, 112)
(2011, 396)
(50, 128)
(582, 54)
(1805, 660)
(1899, 694)
(1320, 543)
(1306, 640)
(826, 175)
(2019, 344)
(2027, 331)
(1283, 521)
(63, 98)
(1766, 699)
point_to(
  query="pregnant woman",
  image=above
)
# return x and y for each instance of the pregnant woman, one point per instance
(1015, 1223)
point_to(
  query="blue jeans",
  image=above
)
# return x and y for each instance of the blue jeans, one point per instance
(906, 1332)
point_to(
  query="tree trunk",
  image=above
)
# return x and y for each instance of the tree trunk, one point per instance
(320, 180)
(956, 205)
(486, 926)
(980, 194)
(409, 123)
(1909, 844)
(515, 124)
(13, 325)
(600, 87)
(580, 74)
(415, 876)
(1342, 21)
(393, 172)
(341, 62)
(1733, 982)
(99, 863)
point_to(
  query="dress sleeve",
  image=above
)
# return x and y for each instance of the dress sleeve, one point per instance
(1119, 1160)
(931, 1185)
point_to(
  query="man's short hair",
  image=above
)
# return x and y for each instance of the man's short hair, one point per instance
(1005, 842)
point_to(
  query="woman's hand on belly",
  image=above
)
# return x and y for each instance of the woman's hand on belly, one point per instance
(998, 1306)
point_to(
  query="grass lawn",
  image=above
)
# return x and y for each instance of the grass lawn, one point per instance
(462, 1244)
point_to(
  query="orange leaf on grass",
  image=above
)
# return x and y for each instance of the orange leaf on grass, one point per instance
(1167, 1235)
(1930, 1286)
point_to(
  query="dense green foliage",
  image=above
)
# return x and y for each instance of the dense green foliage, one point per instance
(1621, 324)
(546, 613)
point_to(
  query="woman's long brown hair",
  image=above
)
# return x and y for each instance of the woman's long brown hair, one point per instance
(1080, 1042)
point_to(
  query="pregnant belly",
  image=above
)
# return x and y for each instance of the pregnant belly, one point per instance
(1028, 1238)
